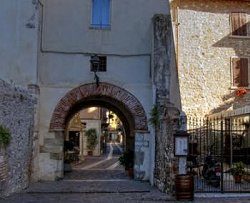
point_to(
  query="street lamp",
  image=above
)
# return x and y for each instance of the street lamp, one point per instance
(95, 62)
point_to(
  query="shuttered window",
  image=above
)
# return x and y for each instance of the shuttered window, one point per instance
(100, 14)
(239, 24)
(240, 72)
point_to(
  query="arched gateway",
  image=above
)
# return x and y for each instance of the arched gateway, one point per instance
(119, 100)
(110, 95)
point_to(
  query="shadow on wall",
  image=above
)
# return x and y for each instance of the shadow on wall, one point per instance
(239, 43)
(231, 102)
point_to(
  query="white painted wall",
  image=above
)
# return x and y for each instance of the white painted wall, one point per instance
(18, 42)
(67, 41)
(62, 61)
(66, 26)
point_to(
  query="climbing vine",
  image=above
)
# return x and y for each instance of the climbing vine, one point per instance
(154, 116)
(5, 136)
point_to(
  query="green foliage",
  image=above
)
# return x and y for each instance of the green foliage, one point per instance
(237, 169)
(91, 138)
(154, 116)
(5, 136)
(127, 159)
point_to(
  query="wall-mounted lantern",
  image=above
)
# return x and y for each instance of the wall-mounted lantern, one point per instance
(95, 62)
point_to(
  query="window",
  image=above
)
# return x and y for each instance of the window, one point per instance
(102, 67)
(240, 24)
(240, 72)
(100, 14)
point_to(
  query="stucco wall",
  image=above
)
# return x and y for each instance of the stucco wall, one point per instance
(205, 47)
(18, 36)
(17, 114)
(72, 33)
(67, 42)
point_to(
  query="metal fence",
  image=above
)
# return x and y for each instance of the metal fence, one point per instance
(216, 146)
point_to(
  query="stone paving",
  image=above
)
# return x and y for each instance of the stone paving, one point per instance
(105, 186)
(106, 192)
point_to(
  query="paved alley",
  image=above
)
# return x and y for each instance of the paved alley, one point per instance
(102, 180)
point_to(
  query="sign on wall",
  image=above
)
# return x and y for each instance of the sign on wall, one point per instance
(181, 145)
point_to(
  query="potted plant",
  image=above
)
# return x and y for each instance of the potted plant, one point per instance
(91, 140)
(127, 160)
(67, 163)
(237, 171)
(68, 146)
(241, 91)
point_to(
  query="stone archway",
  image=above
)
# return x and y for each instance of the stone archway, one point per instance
(106, 95)
(114, 93)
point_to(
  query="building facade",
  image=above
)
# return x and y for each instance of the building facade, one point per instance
(212, 44)
(66, 46)
(48, 47)
(212, 47)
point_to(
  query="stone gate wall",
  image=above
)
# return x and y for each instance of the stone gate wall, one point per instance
(17, 114)
(167, 101)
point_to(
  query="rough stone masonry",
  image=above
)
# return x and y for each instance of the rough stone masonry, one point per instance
(17, 114)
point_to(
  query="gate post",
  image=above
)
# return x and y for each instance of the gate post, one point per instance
(142, 156)
(51, 156)
(184, 183)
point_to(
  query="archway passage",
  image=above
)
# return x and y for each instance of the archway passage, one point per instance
(118, 99)
(94, 140)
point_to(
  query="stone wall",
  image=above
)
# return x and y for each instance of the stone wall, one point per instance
(205, 47)
(17, 114)
(168, 111)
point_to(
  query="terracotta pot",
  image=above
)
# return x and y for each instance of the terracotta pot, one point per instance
(130, 172)
(237, 178)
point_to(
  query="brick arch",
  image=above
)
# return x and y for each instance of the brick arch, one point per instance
(83, 92)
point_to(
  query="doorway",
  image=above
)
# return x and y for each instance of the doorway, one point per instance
(94, 140)
(115, 100)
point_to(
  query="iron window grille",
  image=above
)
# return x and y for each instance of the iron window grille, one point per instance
(101, 67)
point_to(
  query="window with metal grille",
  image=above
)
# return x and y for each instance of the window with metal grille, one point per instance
(101, 67)
(240, 76)
(240, 24)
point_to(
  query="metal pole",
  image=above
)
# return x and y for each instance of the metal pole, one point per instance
(222, 158)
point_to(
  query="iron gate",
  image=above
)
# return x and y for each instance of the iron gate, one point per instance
(215, 147)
